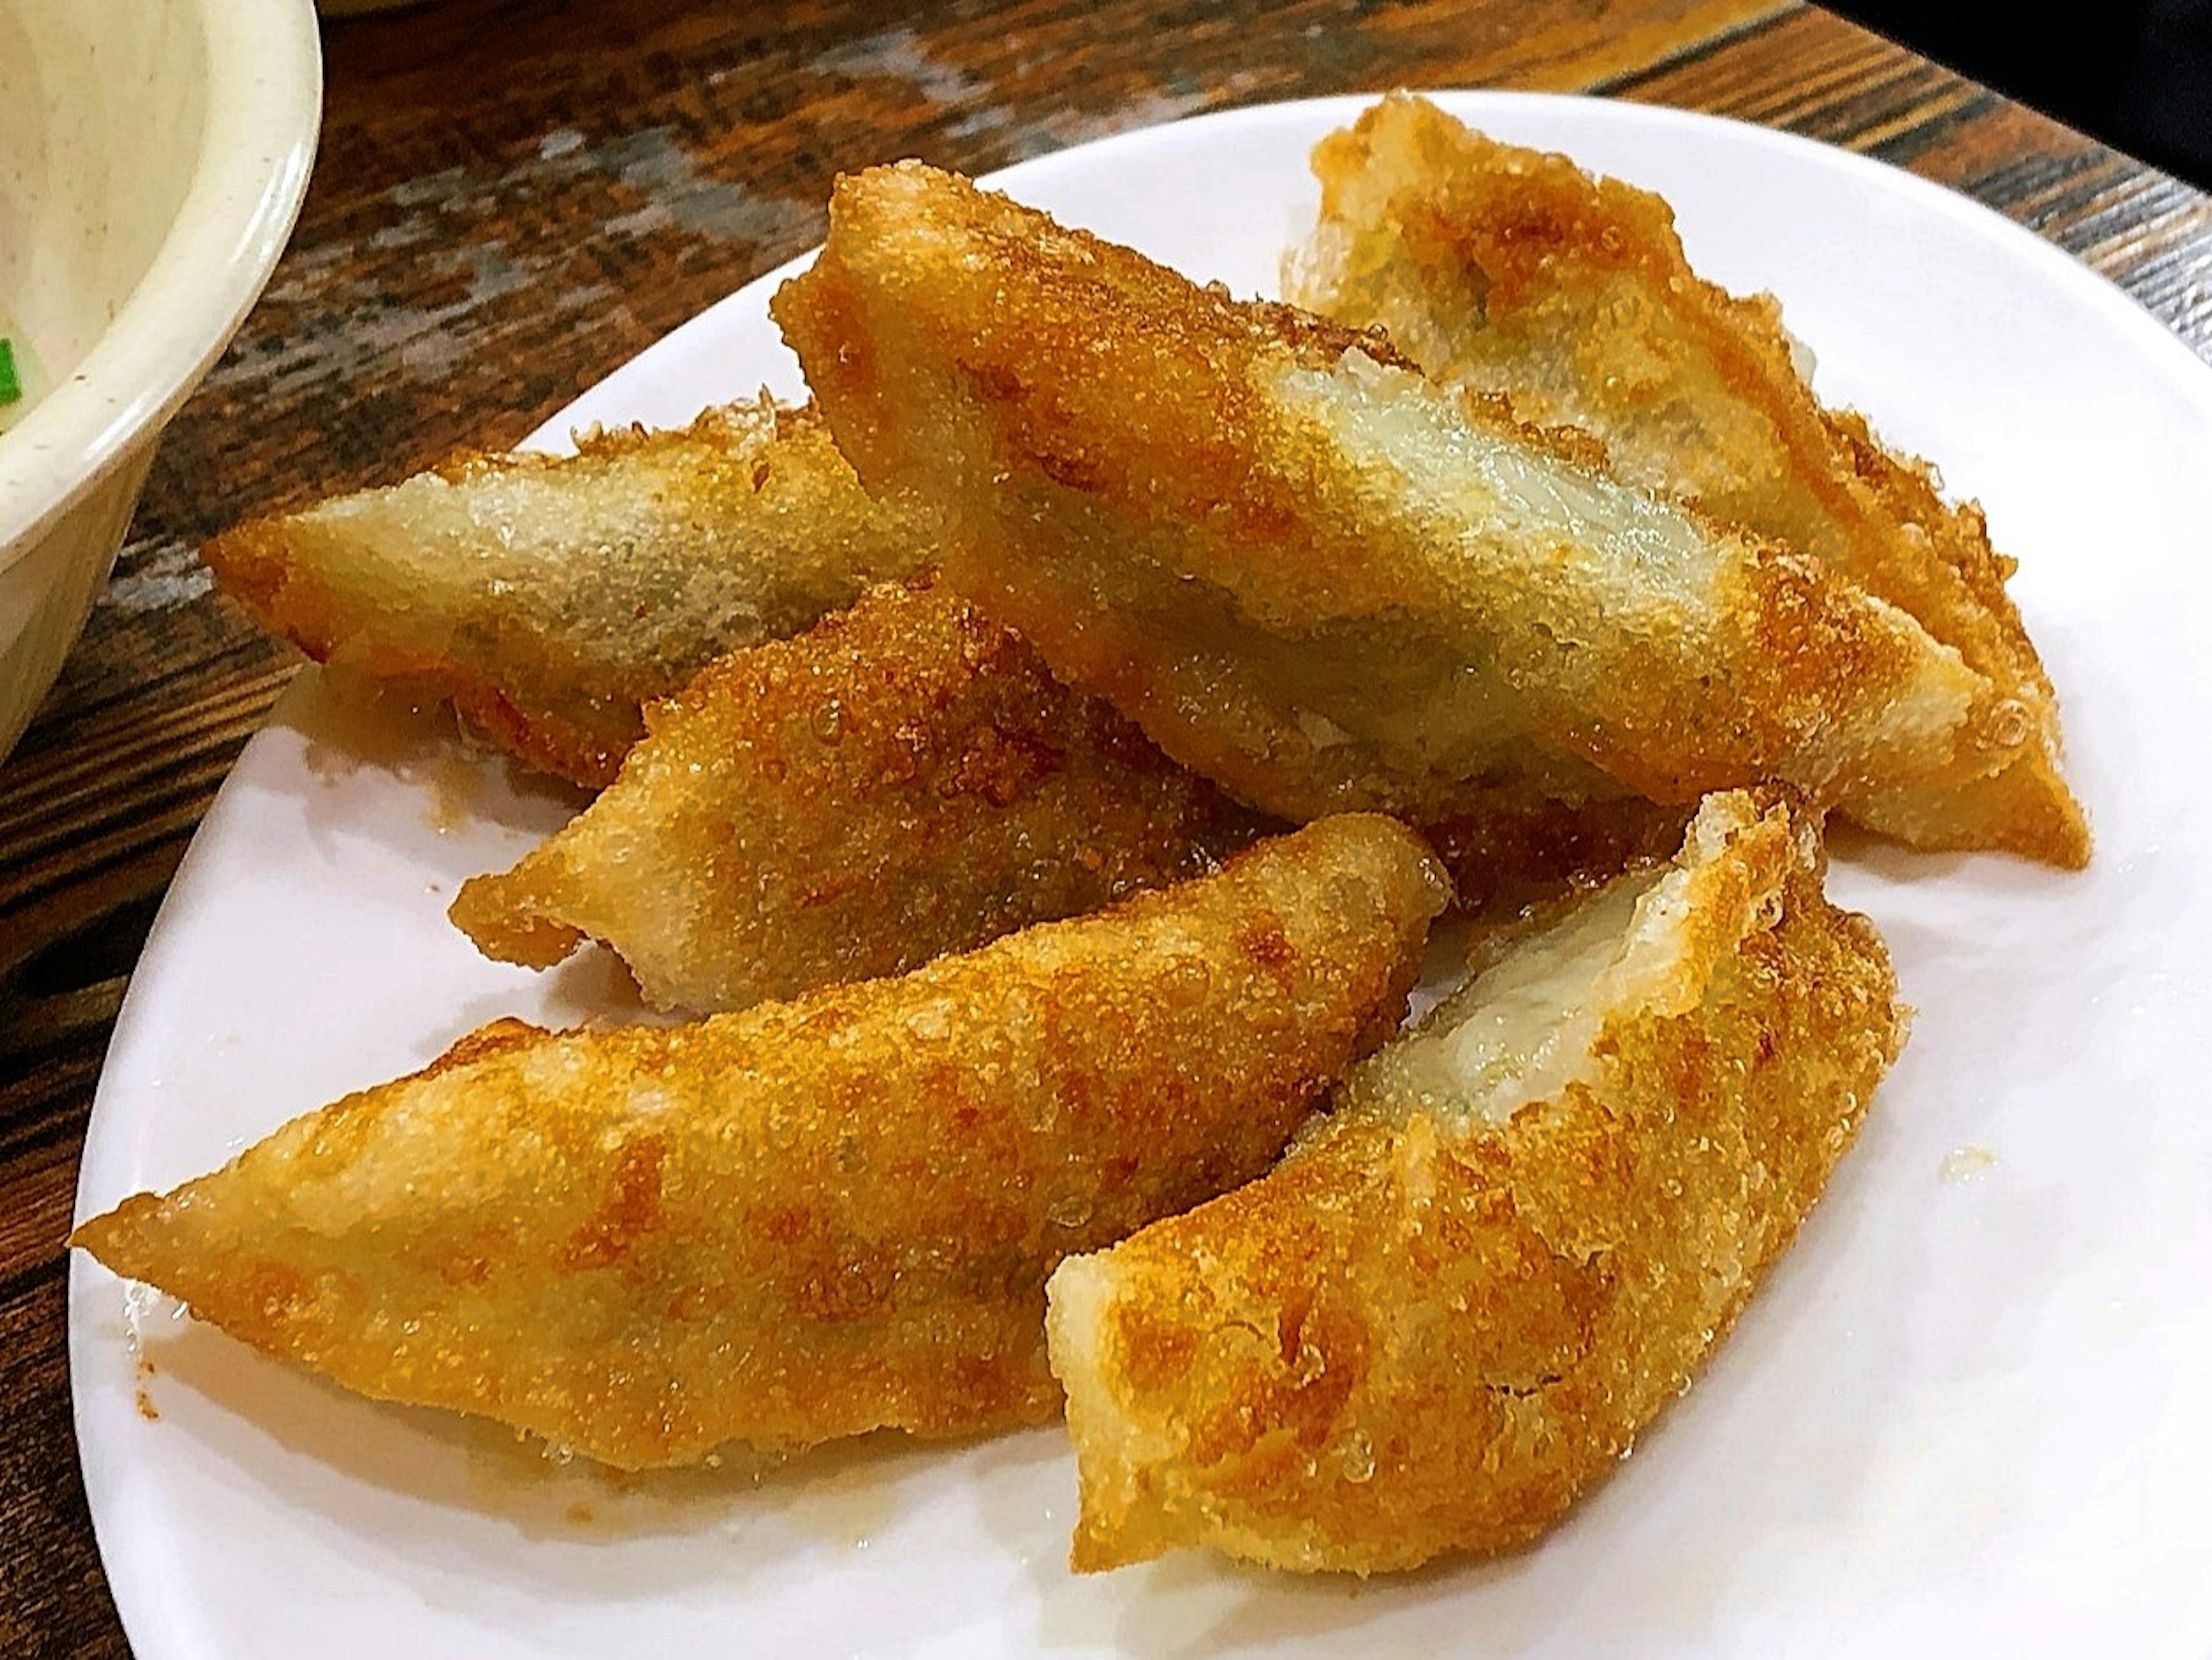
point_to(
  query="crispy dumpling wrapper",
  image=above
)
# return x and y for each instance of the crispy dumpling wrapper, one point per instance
(1312, 576)
(548, 597)
(1510, 270)
(808, 1219)
(903, 780)
(1516, 1238)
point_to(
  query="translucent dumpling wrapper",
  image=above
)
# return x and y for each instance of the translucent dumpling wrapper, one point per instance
(1509, 270)
(550, 598)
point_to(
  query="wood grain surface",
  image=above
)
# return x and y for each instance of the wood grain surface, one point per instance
(515, 196)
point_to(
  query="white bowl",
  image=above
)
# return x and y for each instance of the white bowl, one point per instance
(152, 154)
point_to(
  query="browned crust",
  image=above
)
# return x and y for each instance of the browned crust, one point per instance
(811, 1218)
(904, 779)
(1417, 1337)
(1114, 480)
(1511, 856)
(1511, 269)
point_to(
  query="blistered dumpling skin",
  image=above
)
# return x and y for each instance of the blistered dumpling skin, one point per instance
(1309, 573)
(1516, 1238)
(550, 598)
(1507, 270)
(812, 1218)
(903, 780)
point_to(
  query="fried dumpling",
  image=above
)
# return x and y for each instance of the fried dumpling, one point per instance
(807, 1220)
(1464, 1291)
(903, 780)
(1309, 573)
(1509, 270)
(548, 597)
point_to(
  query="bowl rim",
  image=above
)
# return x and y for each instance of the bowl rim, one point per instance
(256, 148)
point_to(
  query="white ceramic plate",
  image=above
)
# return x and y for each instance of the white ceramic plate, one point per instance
(1973, 1407)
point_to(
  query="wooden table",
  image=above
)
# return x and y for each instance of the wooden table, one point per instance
(515, 196)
